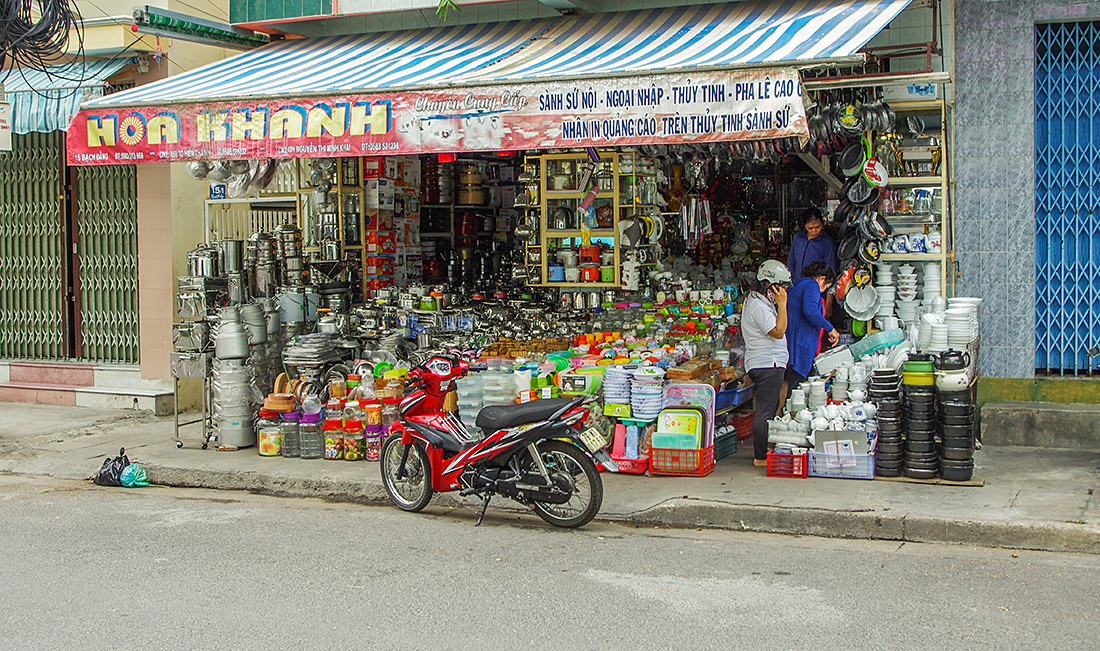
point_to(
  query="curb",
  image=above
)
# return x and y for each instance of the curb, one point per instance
(693, 513)
(868, 525)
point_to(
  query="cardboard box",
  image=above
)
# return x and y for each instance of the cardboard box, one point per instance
(372, 167)
(381, 242)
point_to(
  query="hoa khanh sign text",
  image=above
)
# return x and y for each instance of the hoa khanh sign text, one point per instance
(658, 109)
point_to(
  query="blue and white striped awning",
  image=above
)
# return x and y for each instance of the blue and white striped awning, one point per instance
(695, 37)
(44, 100)
(721, 36)
(341, 64)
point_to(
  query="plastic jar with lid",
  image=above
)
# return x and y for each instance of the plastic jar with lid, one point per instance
(372, 439)
(389, 413)
(269, 433)
(354, 382)
(292, 441)
(372, 413)
(312, 436)
(334, 435)
(354, 446)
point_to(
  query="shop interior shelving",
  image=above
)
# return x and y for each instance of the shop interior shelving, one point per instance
(935, 114)
(617, 174)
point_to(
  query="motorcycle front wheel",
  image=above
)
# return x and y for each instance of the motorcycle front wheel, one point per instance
(413, 491)
(569, 467)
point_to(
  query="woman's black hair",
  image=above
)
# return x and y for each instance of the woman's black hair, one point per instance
(817, 269)
(810, 214)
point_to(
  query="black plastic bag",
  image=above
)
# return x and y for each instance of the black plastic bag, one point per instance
(110, 474)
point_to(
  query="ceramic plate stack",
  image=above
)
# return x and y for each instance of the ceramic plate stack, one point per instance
(960, 327)
(919, 407)
(971, 304)
(924, 335)
(616, 385)
(932, 282)
(647, 391)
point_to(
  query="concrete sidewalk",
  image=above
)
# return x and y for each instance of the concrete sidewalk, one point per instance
(1033, 498)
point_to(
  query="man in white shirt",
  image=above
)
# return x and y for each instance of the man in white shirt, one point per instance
(764, 328)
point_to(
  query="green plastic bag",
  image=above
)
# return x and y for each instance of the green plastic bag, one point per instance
(134, 476)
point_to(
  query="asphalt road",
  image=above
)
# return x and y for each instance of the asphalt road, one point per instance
(85, 567)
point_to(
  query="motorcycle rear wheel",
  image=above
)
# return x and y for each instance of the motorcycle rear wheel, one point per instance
(413, 492)
(563, 460)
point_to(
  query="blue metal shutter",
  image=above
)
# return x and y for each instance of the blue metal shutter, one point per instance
(1067, 185)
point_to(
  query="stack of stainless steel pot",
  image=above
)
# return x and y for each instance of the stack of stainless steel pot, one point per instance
(231, 263)
(289, 253)
(262, 261)
(203, 261)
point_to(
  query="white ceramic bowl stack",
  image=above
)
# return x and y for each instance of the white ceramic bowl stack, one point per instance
(884, 283)
(817, 397)
(908, 302)
(798, 401)
(940, 334)
(933, 285)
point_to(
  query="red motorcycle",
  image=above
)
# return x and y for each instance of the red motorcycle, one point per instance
(540, 453)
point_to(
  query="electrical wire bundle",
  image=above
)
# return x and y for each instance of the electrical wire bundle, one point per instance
(31, 41)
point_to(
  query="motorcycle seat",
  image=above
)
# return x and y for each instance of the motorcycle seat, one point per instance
(491, 419)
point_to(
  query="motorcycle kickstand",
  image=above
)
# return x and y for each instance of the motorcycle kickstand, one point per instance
(484, 507)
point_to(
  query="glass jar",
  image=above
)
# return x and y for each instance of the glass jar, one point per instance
(334, 437)
(372, 438)
(389, 413)
(269, 433)
(372, 414)
(311, 436)
(292, 441)
(354, 446)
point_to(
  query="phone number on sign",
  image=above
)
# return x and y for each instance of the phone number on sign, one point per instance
(379, 146)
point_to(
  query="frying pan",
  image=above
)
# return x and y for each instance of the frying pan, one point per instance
(849, 247)
(851, 159)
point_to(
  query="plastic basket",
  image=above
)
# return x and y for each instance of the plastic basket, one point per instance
(787, 465)
(632, 466)
(690, 463)
(842, 466)
(725, 446)
(732, 397)
(743, 422)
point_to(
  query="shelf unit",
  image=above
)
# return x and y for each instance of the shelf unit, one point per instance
(340, 219)
(618, 176)
(924, 222)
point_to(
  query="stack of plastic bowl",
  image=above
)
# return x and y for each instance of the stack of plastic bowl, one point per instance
(470, 400)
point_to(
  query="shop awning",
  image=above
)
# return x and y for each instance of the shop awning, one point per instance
(667, 76)
(44, 100)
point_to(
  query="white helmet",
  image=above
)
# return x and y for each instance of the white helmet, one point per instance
(774, 272)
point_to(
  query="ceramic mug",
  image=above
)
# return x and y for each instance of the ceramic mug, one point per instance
(899, 244)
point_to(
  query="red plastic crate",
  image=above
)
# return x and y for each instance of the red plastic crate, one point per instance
(690, 463)
(787, 465)
(742, 421)
(632, 466)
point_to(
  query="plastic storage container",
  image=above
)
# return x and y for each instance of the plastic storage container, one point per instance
(354, 446)
(312, 437)
(292, 440)
(269, 433)
(334, 436)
